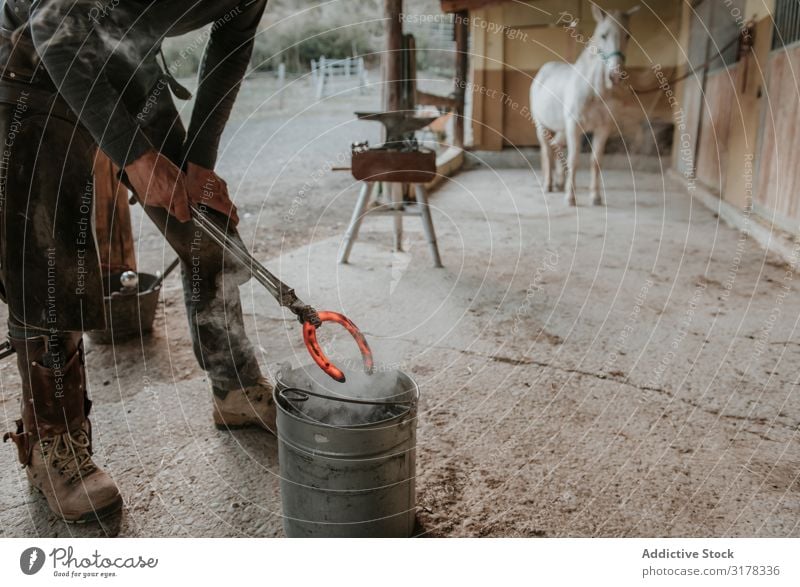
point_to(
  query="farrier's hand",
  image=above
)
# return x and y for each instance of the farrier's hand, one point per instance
(208, 189)
(157, 181)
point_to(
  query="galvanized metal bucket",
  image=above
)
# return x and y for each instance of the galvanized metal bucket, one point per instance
(128, 315)
(353, 480)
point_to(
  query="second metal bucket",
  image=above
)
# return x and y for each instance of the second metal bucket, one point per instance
(128, 315)
(353, 480)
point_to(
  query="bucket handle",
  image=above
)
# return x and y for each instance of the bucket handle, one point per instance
(302, 395)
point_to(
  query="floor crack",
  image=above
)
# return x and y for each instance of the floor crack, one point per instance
(759, 420)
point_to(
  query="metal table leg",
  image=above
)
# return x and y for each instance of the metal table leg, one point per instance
(427, 224)
(397, 208)
(355, 221)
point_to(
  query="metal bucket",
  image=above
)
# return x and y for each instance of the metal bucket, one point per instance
(128, 315)
(340, 480)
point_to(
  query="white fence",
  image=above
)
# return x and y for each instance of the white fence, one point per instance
(325, 72)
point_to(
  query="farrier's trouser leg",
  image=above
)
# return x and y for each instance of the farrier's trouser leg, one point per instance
(213, 305)
(53, 292)
(210, 280)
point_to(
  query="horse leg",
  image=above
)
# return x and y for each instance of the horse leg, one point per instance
(573, 151)
(544, 150)
(598, 149)
(560, 161)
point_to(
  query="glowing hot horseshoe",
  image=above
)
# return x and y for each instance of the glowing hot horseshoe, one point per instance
(310, 338)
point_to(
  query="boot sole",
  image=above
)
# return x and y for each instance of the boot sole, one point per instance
(236, 422)
(92, 516)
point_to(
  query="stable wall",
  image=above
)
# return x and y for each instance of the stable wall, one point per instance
(743, 126)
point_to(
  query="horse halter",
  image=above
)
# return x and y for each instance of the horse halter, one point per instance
(607, 56)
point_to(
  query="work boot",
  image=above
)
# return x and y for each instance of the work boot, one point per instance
(246, 407)
(54, 435)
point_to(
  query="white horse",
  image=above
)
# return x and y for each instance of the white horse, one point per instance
(569, 100)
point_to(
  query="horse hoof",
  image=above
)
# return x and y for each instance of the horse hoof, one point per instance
(597, 201)
(570, 201)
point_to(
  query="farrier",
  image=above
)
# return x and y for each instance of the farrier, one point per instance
(78, 75)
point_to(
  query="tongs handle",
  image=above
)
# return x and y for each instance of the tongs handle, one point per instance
(316, 352)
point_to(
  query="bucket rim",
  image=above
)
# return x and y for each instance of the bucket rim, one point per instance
(148, 286)
(412, 408)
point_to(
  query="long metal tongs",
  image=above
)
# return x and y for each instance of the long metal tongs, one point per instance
(286, 297)
(279, 290)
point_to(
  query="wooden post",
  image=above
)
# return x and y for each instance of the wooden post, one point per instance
(281, 83)
(362, 76)
(461, 31)
(322, 66)
(393, 58)
(112, 218)
(410, 74)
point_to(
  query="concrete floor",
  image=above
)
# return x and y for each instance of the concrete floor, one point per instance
(626, 370)
(615, 371)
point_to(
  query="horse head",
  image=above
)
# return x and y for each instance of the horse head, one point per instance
(609, 41)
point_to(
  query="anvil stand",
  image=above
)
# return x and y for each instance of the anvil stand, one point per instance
(400, 129)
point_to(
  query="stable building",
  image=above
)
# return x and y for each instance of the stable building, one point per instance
(712, 90)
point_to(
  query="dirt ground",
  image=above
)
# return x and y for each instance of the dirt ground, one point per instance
(626, 370)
